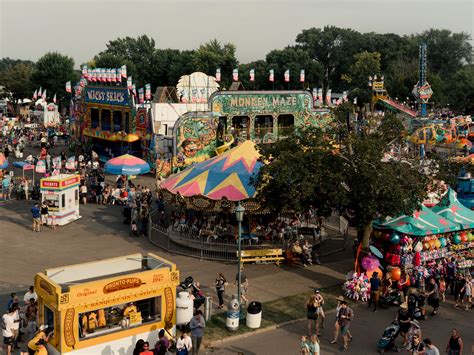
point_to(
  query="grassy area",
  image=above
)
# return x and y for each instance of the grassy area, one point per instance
(273, 312)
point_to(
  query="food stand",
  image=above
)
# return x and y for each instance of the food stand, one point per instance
(106, 306)
(61, 192)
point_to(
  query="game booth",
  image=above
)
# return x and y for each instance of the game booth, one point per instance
(61, 193)
(422, 243)
(105, 306)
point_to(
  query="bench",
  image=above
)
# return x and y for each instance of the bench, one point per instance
(262, 256)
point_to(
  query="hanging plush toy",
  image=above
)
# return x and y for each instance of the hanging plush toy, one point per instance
(418, 247)
(417, 259)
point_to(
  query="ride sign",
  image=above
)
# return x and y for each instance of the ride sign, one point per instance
(107, 96)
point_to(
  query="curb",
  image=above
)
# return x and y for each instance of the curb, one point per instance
(220, 342)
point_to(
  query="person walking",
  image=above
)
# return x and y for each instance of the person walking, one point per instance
(344, 318)
(337, 326)
(374, 290)
(430, 349)
(416, 347)
(36, 214)
(183, 344)
(455, 344)
(197, 325)
(467, 291)
(403, 317)
(83, 191)
(459, 283)
(314, 348)
(8, 332)
(320, 310)
(220, 289)
(162, 345)
(311, 315)
(433, 296)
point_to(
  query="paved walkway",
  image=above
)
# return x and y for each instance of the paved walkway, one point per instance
(100, 234)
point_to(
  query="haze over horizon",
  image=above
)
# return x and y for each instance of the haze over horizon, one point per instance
(82, 28)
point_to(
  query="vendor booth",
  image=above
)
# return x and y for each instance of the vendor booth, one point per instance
(61, 192)
(106, 306)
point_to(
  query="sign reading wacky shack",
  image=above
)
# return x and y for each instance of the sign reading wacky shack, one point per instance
(107, 96)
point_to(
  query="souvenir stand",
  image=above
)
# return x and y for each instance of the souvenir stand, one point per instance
(61, 192)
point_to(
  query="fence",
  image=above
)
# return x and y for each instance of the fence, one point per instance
(185, 243)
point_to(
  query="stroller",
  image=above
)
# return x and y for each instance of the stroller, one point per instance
(416, 306)
(387, 342)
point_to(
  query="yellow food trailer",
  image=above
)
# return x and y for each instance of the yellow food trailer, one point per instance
(105, 306)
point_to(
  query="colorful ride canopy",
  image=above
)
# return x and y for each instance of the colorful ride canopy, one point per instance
(450, 208)
(3, 161)
(127, 165)
(225, 176)
(421, 223)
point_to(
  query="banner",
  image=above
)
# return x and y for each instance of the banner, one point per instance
(40, 167)
(315, 94)
(94, 75)
(252, 74)
(71, 163)
(147, 92)
(103, 75)
(124, 71)
(235, 75)
(84, 70)
(113, 75)
(40, 93)
(129, 82)
(218, 74)
(108, 96)
(54, 98)
(140, 96)
(119, 75)
(287, 75)
(35, 94)
(271, 76)
(320, 95)
(134, 89)
(302, 76)
(44, 95)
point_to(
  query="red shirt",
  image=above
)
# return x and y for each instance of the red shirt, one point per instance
(147, 352)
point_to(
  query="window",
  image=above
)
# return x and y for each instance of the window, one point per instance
(94, 118)
(263, 125)
(166, 129)
(105, 120)
(127, 122)
(286, 125)
(117, 121)
(240, 126)
(52, 201)
(49, 317)
(114, 319)
(63, 201)
(76, 197)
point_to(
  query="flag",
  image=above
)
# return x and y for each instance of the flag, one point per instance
(44, 95)
(328, 97)
(235, 75)
(344, 96)
(129, 82)
(84, 70)
(71, 163)
(287, 75)
(119, 75)
(252, 74)
(124, 71)
(68, 87)
(40, 167)
(302, 75)
(54, 98)
(320, 95)
(103, 75)
(315, 94)
(140, 96)
(93, 77)
(90, 74)
(147, 91)
(40, 92)
(35, 95)
(218, 74)
(113, 75)
(109, 75)
(82, 82)
(271, 77)
(134, 89)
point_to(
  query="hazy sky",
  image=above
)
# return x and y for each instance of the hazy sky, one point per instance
(81, 28)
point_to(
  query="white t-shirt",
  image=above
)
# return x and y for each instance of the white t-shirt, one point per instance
(433, 351)
(16, 320)
(95, 165)
(181, 343)
(29, 295)
(8, 323)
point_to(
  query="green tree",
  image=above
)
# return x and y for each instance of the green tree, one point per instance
(212, 55)
(461, 90)
(366, 64)
(306, 171)
(52, 71)
(333, 48)
(17, 80)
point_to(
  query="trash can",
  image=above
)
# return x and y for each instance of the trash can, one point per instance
(184, 308)
(233, 312)
(254, 315)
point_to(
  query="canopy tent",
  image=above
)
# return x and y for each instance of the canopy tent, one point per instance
(450, 208)
(422, 222)
(225, 176)
(24, 165)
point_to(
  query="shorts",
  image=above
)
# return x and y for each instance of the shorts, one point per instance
(374, 295)
(320, 311)
(36, 221)
(8, 340)
(312, 316)
(344, 329)
(433, 302)
(44, 218)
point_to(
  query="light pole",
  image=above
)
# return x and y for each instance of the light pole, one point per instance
(239, 215)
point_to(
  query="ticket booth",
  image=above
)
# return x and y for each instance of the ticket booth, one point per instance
(104, 307)
(61, 192)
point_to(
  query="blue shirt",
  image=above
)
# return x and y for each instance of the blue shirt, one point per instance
(374, 284)
(35, 212)
(6, 182)
(197, 326)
